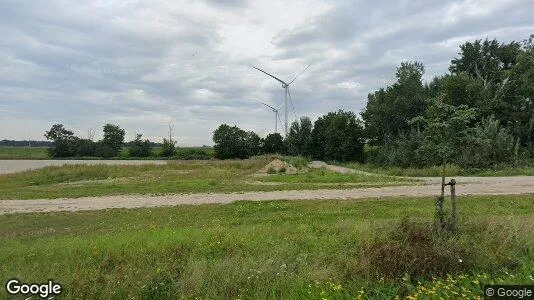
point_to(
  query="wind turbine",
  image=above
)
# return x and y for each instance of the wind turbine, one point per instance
(276, 116)
(285, 86)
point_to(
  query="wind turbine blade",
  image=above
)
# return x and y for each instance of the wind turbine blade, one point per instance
(276, 78)
(300, 74)
(274, 109)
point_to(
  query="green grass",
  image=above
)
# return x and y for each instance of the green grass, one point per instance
(186, 153)
(23, 153)
(258, 250)
(450, 170)
(326, 176)
(73, 181)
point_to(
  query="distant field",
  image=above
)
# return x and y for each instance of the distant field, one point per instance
(73, 181)
(23, 153)
(274, 250)
(40, 153)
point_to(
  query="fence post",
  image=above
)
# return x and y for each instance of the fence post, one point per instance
(453, 204)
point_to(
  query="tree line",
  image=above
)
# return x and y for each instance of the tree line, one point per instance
(65, 144)
(334, 136)
(478, 115)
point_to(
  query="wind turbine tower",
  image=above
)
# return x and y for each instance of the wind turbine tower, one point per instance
(276, 116)
(287, 94)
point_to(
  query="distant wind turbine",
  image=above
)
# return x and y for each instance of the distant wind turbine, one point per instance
(276, 116)
(285, 86)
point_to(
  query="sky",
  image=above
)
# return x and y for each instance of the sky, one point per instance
(146, 64)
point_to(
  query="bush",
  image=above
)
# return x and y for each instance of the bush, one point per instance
(168, 148)
(487, 145)
(193, 153)
(418, 250)
(140, 148)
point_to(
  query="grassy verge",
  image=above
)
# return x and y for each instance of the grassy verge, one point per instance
(450, 170)
(73, 181)
(23, 153)
(273, 249)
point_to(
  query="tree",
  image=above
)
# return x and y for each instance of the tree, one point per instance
(389, 110)
(63, 141)
(230, 142)
(254, 142)
(299, 138)
(85, 148)
(338, 136)
(487, 60)
(140, 148)
(273, 144)
(447, 128)
(168, 148)
(112, 141)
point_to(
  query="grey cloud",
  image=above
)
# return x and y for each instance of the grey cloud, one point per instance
(143, 64)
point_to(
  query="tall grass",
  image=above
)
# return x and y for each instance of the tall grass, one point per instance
(276, 249)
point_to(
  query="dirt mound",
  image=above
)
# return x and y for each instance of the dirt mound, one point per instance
(278, 166)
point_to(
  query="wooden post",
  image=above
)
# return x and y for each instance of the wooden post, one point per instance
(453, 204)
(439, 215)
(443, 181)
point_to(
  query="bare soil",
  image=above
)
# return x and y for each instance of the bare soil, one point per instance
(278, 166)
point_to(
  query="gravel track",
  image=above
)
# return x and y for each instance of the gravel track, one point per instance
(429, 186)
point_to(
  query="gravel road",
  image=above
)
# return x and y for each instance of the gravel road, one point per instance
(429, 187)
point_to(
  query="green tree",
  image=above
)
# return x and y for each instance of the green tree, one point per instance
(85, 148)
(273, 144)
(447, 128)
(338, 136)
(64, 141)
(230, 142)
(299, 138)
(113, 140)
(255, 143)
(168, 148)
(140, 147)
(388, 111)
(486, 60)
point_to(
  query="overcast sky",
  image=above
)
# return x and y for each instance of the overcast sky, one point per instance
(143, 64)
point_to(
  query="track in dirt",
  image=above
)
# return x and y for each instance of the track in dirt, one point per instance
(429, 187)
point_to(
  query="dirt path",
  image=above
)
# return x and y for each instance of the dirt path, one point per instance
(430, 187)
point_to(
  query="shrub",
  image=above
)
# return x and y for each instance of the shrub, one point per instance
(140, 148)
(417, 250)
(168, 148)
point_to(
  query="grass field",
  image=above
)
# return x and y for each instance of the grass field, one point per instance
(41, 153)
(23, 153)
(175, 177)
(274, 249)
